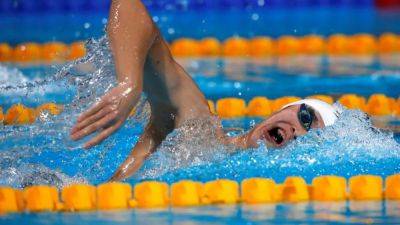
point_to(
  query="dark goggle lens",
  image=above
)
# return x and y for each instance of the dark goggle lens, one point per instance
(305, 117)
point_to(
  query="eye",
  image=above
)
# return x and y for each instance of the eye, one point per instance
(305, 116)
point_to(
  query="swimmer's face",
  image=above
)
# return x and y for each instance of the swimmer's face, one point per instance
(285, 125)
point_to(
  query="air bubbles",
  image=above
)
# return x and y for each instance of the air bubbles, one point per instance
(156, 19)
(171, 30)
(194, 143)
(86, 25)
(255, 16)
(252, 123)
(237, 85)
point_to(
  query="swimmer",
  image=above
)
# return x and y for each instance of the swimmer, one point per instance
(143, 63)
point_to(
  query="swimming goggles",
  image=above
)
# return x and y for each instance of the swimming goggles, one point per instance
(306, 116)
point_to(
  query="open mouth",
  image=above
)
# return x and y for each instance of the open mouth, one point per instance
(276, 135)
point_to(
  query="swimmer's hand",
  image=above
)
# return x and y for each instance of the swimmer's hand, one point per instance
(107, 115)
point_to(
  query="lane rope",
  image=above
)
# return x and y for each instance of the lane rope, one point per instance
(378, 105)
(335, 45)
(155, 194)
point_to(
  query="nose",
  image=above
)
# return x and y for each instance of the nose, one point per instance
(291, 133)
(294, 133)
(298, 131)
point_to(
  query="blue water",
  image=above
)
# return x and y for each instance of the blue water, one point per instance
(43, 152)
(302, 213)
(246, 78)
(247, 22)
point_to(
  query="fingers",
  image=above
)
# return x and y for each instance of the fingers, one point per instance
(91, 119)
(103, 122)
(92, 110)
(102, 135)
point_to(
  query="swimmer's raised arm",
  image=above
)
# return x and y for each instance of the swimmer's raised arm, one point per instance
(131, 32)
(174, 98)
(143, 63)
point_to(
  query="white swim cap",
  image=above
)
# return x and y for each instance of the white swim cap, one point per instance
(329, 113)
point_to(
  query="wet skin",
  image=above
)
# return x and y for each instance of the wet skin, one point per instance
(281, 127)
(143, 63)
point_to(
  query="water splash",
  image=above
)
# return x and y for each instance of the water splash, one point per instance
(194, 143)
(351, 146)
(44, 153)
(45, 147)
(10, 76)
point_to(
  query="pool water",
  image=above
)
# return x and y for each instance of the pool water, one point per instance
(248, 22)
(43, 152)
(352, 146)
(301, 213)
(272, 77)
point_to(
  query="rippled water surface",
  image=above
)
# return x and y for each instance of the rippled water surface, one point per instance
(42, 153)
(302, 213)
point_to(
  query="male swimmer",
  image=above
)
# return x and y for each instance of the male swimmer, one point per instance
(143, 63)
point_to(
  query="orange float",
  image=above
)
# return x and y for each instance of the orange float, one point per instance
(54, 51)
(8, 200)
(210, 47)
(362, 44)
(295, 189)
(261, 46)
(396, 110)
(329, 188)
(259, 106)
(312, 44)
(1, 115)
(280, 102)
(186, 193)
(27, 52)
(365, 187)
(380, 105)
(235, 46)
(231, 107)
(76, 50)
(325, 98)
(19, 114)
(388, 43)
(185, 47)
(79, 197)
(222, 191)
(50, 107)
(288, 45)
(352, 101)
(5, 52)
(113, 195)
(258, 190)
(152, 194)
(337, 44)
(392, 187)
(41, 198)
